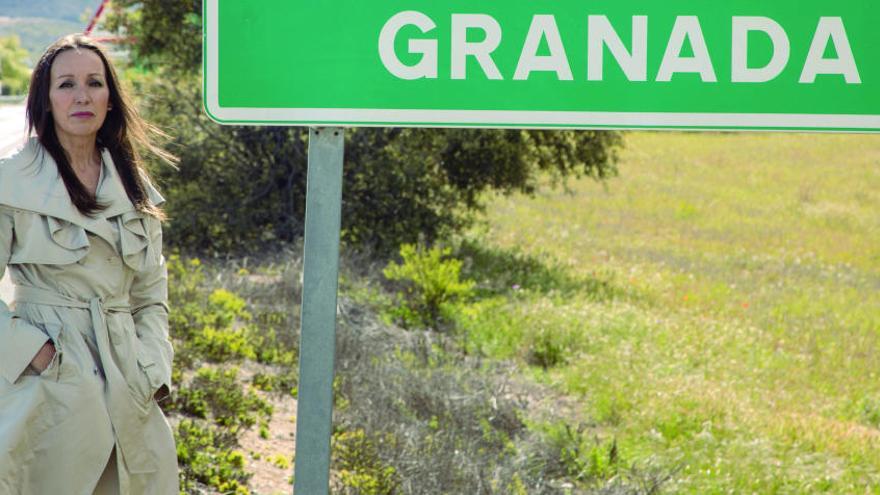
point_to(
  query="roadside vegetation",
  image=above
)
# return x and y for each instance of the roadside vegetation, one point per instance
(415, 413)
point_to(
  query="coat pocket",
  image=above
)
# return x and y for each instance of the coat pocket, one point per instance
(146, 381)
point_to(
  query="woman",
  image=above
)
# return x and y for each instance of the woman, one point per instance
(85, 353)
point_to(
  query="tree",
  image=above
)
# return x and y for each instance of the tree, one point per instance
(14, 72)
(243, 187)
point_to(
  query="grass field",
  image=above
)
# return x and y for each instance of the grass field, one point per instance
(715, 309)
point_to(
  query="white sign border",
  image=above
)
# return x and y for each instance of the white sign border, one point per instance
(502, 118)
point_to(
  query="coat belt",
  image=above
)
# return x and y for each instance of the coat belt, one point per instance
(126, 416)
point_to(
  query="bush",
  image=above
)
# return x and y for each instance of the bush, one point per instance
(360, 468)
(216, 394)
(430, 281)
(187, 296)
(215, 325)
(206, 456)
(223, 344)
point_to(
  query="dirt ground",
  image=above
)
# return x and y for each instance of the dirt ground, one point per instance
(271, 459)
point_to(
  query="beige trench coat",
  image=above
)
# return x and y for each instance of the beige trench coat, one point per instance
(97, 287)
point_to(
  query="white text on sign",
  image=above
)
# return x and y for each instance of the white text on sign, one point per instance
(633, 60)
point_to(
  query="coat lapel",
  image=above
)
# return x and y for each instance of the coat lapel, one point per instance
(29, 180)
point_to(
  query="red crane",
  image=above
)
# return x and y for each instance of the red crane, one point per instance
(94, 22)
(95, 17)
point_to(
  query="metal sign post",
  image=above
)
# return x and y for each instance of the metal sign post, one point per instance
(318, 319)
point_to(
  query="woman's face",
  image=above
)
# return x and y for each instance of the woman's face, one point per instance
(78, 94)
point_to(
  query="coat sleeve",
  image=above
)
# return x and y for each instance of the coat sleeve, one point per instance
(149, 302)
(19, 340)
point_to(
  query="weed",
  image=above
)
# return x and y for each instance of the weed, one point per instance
(280, 461)
(545, 348)
(581, 457)
(870, 411)
(225, 308)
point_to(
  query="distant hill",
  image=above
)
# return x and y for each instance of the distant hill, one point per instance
(68, 10)
(38, 23)
(37, 33)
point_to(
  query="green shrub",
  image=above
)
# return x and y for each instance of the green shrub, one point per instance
(217, 395)
(280, 461)
(413, 415)
(225, 308)
(360, 468)
(208, 325)
(205, 455)
(264, 382)
(282, 381)
(269, 349)
(430, 280)
(223, 344)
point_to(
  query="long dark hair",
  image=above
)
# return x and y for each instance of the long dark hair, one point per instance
(124, 133)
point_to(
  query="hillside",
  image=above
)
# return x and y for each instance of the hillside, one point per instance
(39, 23)
(36, 33)
(67, 10)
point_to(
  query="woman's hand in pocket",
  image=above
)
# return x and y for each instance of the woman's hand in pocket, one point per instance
(44, 357)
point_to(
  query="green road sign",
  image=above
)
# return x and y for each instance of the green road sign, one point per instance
(741, 64)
